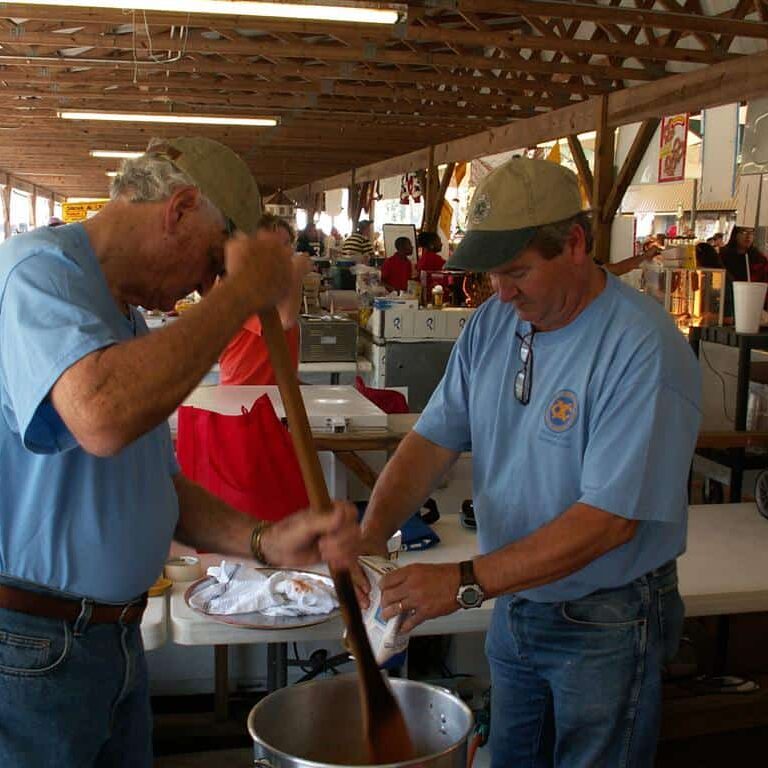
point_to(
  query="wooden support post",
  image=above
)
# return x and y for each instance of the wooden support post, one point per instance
(582, 165)
(603, 182)
(631, 164)
(430, 190)
(358, 467)
(436, 192)
(7, 207)
(33, 208)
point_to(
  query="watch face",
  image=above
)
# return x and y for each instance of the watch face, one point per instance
(470, 596)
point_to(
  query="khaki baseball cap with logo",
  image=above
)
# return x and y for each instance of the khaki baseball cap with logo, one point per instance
(220, 174)
(509, 204)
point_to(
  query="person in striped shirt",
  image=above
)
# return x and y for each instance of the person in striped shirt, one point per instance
(358, 245)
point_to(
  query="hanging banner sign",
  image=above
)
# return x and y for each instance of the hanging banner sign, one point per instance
(672, 147)
(71, 212)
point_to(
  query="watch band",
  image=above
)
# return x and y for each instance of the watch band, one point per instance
(467, 573)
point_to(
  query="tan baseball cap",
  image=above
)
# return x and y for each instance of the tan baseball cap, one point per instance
(220, 174)
(509, 204)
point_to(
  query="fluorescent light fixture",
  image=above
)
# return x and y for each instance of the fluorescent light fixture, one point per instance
(296, 11)
(119, 153)
(87, 199)
(140, 117)
(111, 174)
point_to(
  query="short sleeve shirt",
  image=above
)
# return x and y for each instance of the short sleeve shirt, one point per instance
(94, 527)
(245, 360)
(612, 422)
(396, 271)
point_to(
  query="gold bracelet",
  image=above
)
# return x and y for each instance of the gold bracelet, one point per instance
(256, 535)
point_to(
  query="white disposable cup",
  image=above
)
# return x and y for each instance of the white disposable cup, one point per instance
(748, 300)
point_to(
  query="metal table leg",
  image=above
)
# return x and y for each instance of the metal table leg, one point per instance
(277, 666)
(221, 683)
(740, 418)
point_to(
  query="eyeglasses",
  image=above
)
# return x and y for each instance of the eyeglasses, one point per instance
(524, 377)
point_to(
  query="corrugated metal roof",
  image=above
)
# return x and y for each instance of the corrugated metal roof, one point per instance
(658, 198)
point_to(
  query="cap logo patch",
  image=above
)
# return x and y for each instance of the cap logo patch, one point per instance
(481, 209)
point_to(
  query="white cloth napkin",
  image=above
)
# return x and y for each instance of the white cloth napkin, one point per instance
(243, 589)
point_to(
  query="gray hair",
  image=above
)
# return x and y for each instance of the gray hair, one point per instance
(550, 239)
(147, 179)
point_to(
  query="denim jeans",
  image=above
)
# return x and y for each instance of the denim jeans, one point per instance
(578, 684)
(72, 694)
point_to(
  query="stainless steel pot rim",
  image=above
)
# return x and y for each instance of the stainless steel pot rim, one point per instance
(393, 681)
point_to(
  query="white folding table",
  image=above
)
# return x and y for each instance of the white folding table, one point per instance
(722, 572)
(154, 623)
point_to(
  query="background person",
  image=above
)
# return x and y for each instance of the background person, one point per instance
(358, 245)
(735, 255)
(245, 360)
(430, 259)
(397, 269)
(310, 241)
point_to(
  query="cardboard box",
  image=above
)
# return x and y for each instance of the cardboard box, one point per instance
(429, 324)
(456, 319)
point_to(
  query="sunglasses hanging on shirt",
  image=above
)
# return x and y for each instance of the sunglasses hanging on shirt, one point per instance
(524, 377)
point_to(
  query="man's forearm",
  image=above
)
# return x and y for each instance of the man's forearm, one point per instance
(207, 523)
(564, 546)
(135, 385)
(407, 480)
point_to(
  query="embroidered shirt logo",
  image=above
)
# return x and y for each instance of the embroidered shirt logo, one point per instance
(563, 411)
(481, 209)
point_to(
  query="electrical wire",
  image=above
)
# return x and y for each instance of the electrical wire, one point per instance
(717, 373)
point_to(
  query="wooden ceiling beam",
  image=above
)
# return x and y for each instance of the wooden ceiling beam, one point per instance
(347, 71)
(69, 87)
(719, 84)
(245, 47)
(684, 22)
(432, 33)
(266, 105)
(743, 7)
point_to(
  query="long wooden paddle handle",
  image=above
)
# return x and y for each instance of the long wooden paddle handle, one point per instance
(301, 434)
(314, 480)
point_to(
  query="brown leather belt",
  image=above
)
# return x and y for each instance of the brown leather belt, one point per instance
(39, 604)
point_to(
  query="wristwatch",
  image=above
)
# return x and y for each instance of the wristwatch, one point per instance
(470, 594)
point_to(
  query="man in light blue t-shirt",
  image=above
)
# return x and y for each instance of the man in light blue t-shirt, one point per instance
(91, 491)
(579, 400)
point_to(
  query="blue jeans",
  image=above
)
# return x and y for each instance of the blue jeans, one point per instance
(578, 684)
(72, 694)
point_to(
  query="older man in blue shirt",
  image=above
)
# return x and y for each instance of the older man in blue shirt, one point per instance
(579, 400)
(91, 492)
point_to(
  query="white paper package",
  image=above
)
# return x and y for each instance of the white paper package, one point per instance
(385, 638)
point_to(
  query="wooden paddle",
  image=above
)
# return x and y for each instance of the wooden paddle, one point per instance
(386, 733)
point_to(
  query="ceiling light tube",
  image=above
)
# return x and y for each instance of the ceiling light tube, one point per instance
(296, 11)
(111, 174)
(140, 117)
(118, 153)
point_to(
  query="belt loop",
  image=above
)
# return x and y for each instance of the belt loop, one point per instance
(81, 622)
(138, 603)
(124, 613)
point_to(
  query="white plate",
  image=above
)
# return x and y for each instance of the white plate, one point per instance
(256, 620)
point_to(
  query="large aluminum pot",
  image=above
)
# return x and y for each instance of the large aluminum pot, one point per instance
(319, 725)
